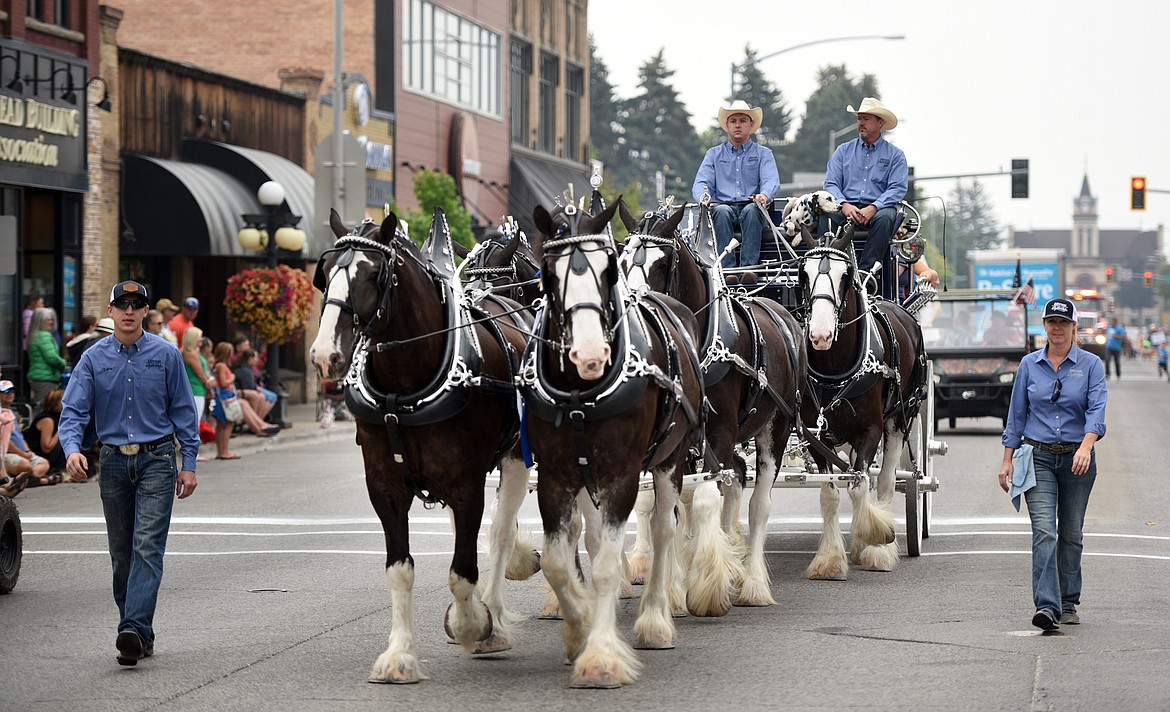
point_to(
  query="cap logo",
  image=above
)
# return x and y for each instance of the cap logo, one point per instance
(131, 287)
(1059, 306)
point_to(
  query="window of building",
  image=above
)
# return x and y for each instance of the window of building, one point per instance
(451, 58)
(520, 92)
(574, 91)
(550, 75)
(40, 10)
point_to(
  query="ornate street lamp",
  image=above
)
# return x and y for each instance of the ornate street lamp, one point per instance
(281, 223)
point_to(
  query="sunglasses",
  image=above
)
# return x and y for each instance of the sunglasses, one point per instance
(128, 304)
(1056, 386)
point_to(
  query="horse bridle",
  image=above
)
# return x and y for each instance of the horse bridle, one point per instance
(347, 246)
(481, 272)
(579, 264)
(827, 256)
(644, 238)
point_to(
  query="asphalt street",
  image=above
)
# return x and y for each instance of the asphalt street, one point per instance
(274, 598)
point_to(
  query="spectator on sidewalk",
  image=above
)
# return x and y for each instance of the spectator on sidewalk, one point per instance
(45, 362)
(169, 311)
(225, 389)
(17, 458)
(86, 334)
(262, 400)
(42, 435)
(185, 319)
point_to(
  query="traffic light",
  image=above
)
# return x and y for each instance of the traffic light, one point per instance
(1019, 177)
(1148, 278)
(1137, 193)
(1108, 275)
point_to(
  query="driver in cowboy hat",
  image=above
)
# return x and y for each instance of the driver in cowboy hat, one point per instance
(868, 176)
(737, 172)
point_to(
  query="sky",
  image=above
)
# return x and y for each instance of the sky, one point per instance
(1076, 87)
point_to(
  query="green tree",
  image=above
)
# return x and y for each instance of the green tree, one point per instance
(755, 89)
(970, 224)
(825, 112)
(435, 189)
(659, 134)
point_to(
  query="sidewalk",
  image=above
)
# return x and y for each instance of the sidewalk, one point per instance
(305, 430)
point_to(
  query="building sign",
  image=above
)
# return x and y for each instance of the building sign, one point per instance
(42, 133)
(1045, 278)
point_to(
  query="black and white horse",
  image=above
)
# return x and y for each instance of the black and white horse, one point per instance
(866, 372)
(612, 388)
(434, 398)
(754, 361)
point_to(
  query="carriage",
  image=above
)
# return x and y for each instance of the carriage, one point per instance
(777, 276)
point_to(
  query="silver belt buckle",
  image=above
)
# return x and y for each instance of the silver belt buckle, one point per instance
(129, 449)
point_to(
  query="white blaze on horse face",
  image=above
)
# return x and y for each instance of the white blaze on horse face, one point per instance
(823, 312)
(589, 351)
(325, 352)
(638, 276)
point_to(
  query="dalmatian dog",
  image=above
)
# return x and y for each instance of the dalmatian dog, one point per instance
(805, 210)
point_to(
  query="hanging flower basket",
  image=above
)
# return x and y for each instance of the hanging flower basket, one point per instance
(272, 303)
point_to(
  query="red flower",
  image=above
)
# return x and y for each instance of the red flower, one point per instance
(272, 303)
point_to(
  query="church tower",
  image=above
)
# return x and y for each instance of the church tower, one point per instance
(1086, 237)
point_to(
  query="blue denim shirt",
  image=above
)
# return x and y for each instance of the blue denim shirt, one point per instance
(736, 174)
(135, 393)
(1079, 407)
(862, 174)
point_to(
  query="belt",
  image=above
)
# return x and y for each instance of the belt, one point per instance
(135, 448)
(1055, 448)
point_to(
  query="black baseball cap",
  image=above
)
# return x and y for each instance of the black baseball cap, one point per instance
(129, 289)
(1060, 309)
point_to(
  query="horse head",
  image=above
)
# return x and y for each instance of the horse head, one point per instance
(503, 261)
(579, 275)
(651, 255)
(827, 279)
(355, 278)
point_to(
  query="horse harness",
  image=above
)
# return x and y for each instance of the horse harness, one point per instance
(459, 373)
(830, 391)
(627, 324)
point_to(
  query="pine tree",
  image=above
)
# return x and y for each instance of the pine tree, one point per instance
(659, 135)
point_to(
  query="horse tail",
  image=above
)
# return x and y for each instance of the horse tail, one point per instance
(715, 563)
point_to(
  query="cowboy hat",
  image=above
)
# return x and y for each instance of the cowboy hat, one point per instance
(869, 105)
(740, 106)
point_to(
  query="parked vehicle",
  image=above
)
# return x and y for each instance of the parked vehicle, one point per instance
(975, 339)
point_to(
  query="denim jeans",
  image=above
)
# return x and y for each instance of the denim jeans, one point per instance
(751, 227)
(1057, 507)
(138, 494)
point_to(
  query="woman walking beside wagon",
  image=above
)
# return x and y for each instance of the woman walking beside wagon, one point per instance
(1057, 414)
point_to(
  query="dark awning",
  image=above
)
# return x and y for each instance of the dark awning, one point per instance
(176, 208)
(194, 207)
(535, 179)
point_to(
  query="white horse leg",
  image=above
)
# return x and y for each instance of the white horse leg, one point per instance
(654, 628)
(560, 569)
(829, 562)
(756, 587)
(505, 546)
(676, 591)
(884, 556)
(640, 556)
(607, 661)
(715, 562)
(872, 524)
(732, 497)
(552, 610)
(399, 662)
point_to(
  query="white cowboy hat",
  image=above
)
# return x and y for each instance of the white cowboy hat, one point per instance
(740, 106)
(869, 105)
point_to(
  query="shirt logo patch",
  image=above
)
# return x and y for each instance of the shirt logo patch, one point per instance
(154, 363)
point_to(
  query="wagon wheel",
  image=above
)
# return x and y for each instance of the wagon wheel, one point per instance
(10, 545)
(914, 526)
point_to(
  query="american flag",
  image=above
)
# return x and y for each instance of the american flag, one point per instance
(1027, 293)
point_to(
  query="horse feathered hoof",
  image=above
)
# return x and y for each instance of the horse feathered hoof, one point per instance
(827, 572)
(595, 678)
(396, 669)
